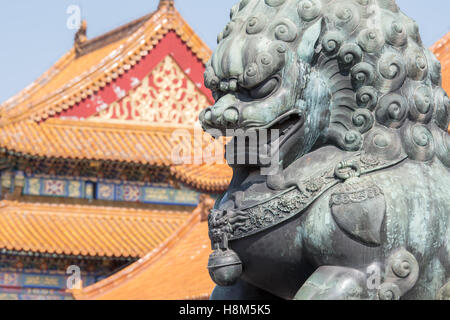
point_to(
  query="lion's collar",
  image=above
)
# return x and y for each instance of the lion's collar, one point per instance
(254, 216)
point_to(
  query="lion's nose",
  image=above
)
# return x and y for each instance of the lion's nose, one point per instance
(218, 117)
(224, 114)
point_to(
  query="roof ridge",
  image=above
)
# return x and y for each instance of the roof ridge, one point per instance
(104, 71)
(116, 211)
(86, 47)
(120, 125)
(168, 4)
(36, 84)
(113, 35)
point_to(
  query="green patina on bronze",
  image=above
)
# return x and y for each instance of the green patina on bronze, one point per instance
(350, 86)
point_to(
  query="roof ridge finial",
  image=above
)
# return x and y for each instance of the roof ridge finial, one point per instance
(81, 36)
(169, 4)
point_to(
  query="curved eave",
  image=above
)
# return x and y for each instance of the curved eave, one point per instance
(129, 142)
(212, 178)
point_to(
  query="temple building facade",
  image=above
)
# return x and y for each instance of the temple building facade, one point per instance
(442, 51)
(91, 189)
(89, 182)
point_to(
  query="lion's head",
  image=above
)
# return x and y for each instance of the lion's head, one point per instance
(352, 73)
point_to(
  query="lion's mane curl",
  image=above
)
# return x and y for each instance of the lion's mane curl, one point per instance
(386, 93)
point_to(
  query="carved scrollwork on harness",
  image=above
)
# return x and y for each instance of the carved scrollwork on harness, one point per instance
(356, 196)
(244, 222)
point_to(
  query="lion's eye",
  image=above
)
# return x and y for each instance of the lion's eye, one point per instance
(265, 89)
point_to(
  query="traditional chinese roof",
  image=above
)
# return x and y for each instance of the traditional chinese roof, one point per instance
(119, 97)
(127, 142)
(208, 177)
(104, 59)
(442, 51)
(175, 271)
(86, 230)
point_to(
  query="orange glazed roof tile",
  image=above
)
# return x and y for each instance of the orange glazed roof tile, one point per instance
(91, 140)
(85, 230)
(76, 77)
(442, 51)
(195, 175)
(139, 143)
(176, 271)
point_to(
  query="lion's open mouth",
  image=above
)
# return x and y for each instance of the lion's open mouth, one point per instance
(257, 144)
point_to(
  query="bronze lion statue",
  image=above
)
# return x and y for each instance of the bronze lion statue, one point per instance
(358, 206)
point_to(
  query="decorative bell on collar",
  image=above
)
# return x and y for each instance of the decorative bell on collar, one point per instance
(224, 265)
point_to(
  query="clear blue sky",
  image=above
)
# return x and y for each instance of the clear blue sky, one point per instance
(34, 34)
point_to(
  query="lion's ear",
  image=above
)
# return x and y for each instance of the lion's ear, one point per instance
(306, 48)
